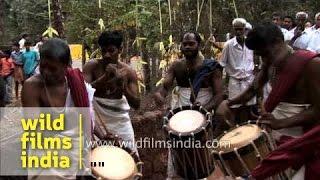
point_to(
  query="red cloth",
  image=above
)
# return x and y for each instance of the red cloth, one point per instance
(77, 88)
(287, 77)
(294, 153)
(7, 66)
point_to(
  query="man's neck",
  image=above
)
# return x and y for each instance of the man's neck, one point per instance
(192, 60)
(240, 40)
(281, 56)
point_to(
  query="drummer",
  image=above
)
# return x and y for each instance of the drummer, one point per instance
(294, 103)
(197, 81)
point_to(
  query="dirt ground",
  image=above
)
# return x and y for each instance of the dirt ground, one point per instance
(147, 122)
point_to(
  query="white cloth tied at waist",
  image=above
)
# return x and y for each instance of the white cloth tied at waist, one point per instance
(114, 113)
(181, 96)
(287, 110)
(238, 86)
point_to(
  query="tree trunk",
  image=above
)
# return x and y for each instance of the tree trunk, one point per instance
(146, 67)
(2, 20)
(58, 18)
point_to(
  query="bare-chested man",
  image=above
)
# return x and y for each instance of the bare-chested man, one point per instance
(293, 106)
(184, 72)
(116, 87)
(189, 88)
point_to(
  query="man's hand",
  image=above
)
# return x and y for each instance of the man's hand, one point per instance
(269, 120)
(224, 110)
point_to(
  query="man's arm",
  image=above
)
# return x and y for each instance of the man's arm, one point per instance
(217, 90)
(131, 90)
(30, 96)
(162, 92)
(88, 69)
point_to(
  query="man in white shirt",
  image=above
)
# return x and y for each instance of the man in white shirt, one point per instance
(300, 35)
(22, 41)
(239, 65)
(314, 42)
(277, 20)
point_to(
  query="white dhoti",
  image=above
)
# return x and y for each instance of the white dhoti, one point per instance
(236, 87)
(287, 110)
(114, 113)
(181, 97)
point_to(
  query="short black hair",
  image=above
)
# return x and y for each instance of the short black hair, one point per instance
(25, 35)
(110, 38)
(56, 49)
(263, 35)
(276, 14)
(196, 34)
(7, 53)
(289, 17)
(28, 43)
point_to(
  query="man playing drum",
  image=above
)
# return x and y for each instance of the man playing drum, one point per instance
(198, 81)
(293, 105)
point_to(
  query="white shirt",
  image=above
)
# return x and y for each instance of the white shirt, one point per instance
(286, 34)
(21, 43)
(237, 60)
(314, 42)
(302, 41)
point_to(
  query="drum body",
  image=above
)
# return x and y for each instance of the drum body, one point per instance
(188, 128)
(112, 162)
(241, 149)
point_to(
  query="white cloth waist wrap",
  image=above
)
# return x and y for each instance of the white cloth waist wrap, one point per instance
(287, 110)
(181, 96)
(236, 87)
(114, 113)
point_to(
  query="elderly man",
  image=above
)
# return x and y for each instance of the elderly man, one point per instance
(314, 43)
(239, 65)
(299, 35)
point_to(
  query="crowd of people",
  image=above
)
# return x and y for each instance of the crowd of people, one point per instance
(276, 61)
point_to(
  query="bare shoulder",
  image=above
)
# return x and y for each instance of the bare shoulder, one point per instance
(177, 63)
(33, 82)
(91, 64)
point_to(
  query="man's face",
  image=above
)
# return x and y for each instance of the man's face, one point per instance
(239, 30)
(52, 71)
(276, 20)
(110, 53)
(301, 20)
(287, 23)
(190, 46)
(318, 22)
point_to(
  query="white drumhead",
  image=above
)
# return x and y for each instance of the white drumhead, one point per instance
(186, 121)
(118, 163)
(241, 136)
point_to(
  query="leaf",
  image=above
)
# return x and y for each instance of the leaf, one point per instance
(101, 23)
(142, 62)
(160, 82)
